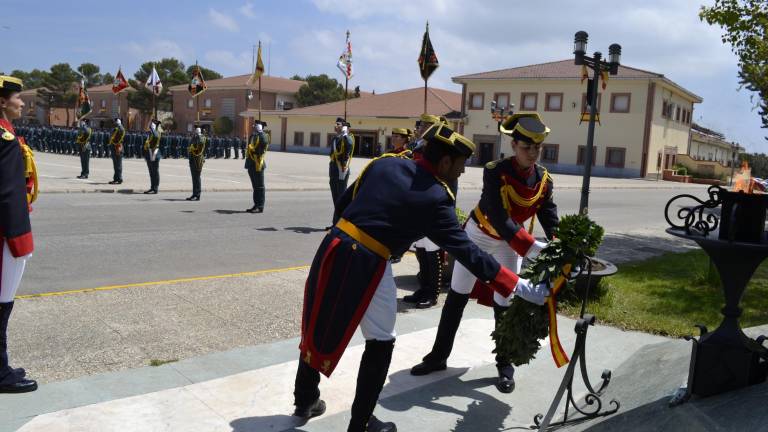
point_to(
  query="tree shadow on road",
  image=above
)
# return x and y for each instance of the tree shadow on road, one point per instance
(230, 212)
(304, 230)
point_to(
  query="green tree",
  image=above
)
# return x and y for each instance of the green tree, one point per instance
(319, 89)
(32, 79)
(208, 74)
(745, 23)
(758, 163)
(223, 126)
(171, 72)
(60, 87)
(107, 78)
(91, 74)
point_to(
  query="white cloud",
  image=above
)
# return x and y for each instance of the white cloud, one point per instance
(223, 20)
(228, 63)
(247, 10)
(155, 50)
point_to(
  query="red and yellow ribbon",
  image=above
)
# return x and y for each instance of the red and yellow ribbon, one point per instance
(558, 353)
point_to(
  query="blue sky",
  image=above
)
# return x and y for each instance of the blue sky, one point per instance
(307, 36)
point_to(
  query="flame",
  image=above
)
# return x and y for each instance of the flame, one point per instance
(742, 181)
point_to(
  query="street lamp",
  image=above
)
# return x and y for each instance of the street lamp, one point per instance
(598, 65)
(498, 114)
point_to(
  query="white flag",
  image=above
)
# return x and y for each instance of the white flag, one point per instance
(153, 82)
(345, 59)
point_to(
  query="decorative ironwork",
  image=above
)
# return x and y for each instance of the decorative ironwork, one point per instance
(593, 404)
(695, 220)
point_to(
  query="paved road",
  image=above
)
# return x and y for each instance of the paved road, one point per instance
(92, 240)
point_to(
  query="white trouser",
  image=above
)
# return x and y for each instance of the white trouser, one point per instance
(427, 244)
(379, 320)
(12, 270)
(462, 281)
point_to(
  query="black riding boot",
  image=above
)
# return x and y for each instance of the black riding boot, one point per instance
(506, 380)
(423, 276)
(306, 392)
(450, 319)
(435, 260)
(11, 380)
(374, 367)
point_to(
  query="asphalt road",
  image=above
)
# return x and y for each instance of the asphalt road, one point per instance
(92, 240)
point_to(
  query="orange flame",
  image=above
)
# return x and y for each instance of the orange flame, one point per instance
(742, 181)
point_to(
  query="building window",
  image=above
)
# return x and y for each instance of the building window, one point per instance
(191, 103)
(677, 115)
(664, 109)
(298, 138)
(620, 102)
(476, 101)
(584, 102)
(189, 127)
(529, 101)
(550, 153)
(614, 157)
(502, 100)
(582, 151)
(314, 139)
(207, 103)
(553, 102)
(287, 105)
(103, 104)
(388, 144)
(329, 139)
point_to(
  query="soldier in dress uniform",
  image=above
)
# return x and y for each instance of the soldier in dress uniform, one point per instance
(394, 201)
(255, 163)
(400, 139)
(152, 155)
(196, 152)
(514, 190)
(116, 143)
(342, 148)
(430, 257)
(17, 190)
(83, 140)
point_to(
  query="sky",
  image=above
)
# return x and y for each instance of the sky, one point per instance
(307, 36)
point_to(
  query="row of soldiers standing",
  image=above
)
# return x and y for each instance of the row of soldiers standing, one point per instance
(58, 139)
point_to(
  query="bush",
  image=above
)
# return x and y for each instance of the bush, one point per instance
(681, 169)
(223, 126)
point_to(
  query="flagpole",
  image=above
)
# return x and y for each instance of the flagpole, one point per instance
(425, 96)
(260, 85)
(346, 91)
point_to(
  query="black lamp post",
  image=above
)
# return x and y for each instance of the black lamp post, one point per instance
(597, 64)
(497, 114)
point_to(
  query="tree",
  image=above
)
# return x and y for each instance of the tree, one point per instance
(745, 23)
(108, 78)
(59, 87)
(319, 89)
(90, 73)
(223, 126)
(171, 72)
(208, 74)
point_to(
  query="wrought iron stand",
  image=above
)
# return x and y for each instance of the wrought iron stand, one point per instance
(725, 359)
(593, 404)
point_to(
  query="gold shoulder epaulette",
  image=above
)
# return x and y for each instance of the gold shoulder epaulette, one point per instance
(7, 135)
(492, 164)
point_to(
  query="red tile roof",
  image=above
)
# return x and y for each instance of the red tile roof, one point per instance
(269, 84)
(398, 104)
(564, 69)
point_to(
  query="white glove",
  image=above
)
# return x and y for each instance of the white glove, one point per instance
(344, 130)
(529, 292)
(535, 249)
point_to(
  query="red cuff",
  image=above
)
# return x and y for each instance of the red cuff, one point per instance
(504, 282)
(21, 246)
(522, 242)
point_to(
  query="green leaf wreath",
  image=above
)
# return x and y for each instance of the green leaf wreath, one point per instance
(524, 324)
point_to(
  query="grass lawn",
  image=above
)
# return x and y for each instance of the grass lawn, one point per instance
(668, 294)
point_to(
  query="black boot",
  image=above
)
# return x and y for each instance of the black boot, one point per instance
(11, 380)
(450, 319)
(374, 367)
(423, 277)
(506, 380)
(306, 392)
(435, 279)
